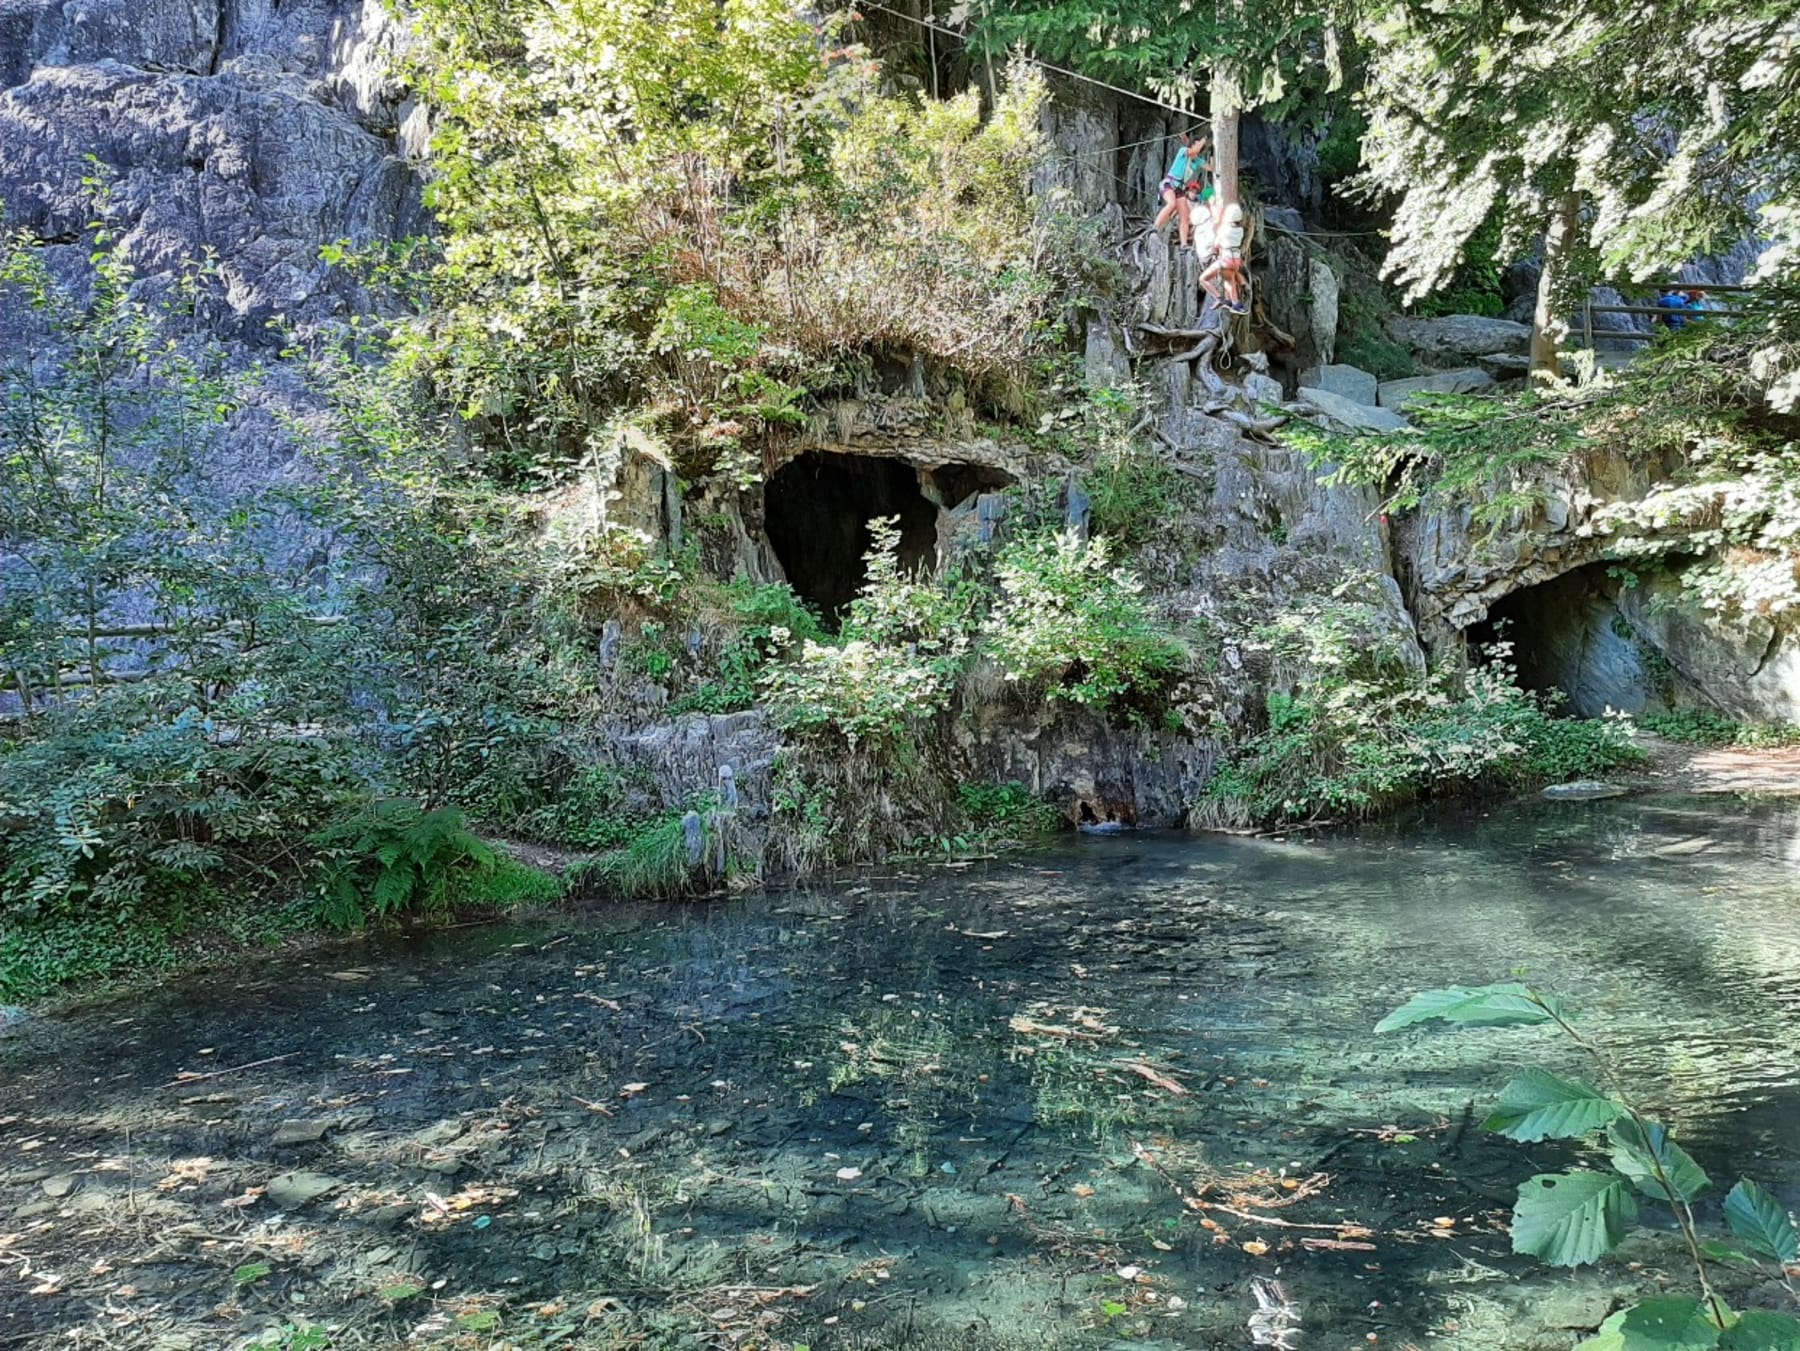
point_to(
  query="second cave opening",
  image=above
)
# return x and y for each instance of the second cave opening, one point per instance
(1569, 634)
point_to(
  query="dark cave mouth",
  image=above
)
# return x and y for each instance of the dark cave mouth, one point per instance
(1571, 636)
(817, 509)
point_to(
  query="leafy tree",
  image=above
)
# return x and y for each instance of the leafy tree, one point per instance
(690, 212)
(1632, 136)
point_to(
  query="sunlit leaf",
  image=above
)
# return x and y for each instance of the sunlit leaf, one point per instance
(1759, 1220)
(1609, 1337)
(1571, 1218)
(1501, 1005)
(1541, 1106)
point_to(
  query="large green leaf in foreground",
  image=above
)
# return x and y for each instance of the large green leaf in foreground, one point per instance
(1669, 1323)
(1541, 1106)
(1504, 1005)
(1571, 1218)
(1758, 1219)
(1760, 1330)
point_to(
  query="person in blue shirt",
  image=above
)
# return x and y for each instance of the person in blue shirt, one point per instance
(1183, 184)
(1672, 302)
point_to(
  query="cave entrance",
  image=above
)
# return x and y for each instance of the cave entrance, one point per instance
(1570, 634)
(817, 510)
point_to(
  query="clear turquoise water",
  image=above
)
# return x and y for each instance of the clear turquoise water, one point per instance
(940, 1107)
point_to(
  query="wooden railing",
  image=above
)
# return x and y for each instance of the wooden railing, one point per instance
(1589, 309)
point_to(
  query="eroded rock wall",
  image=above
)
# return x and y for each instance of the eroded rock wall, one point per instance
(249, 131)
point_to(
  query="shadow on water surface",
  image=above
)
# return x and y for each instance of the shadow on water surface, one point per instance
(958, 1107)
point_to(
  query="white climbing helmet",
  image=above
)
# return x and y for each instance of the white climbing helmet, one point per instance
(1232, 233)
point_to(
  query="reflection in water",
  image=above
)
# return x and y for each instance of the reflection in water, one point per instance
(960, 1108)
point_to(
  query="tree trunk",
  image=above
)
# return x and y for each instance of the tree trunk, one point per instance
(1547, 325)
(1225, 104)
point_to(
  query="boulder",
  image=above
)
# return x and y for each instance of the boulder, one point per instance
(291, 1191)
(1356, 416)
(1505, 365)
(1460, 337)
(1347, 382)
(1260, 388)
(1322, 286)
(1463, 380)
(1299, 292)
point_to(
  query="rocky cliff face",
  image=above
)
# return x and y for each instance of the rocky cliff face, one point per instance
(252, 131)
(256, 131)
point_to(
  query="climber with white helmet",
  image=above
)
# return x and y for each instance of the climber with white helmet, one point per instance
(1223, 277)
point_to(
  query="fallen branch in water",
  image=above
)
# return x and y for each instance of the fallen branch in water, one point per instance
(185, 1077)
(1162, 1081)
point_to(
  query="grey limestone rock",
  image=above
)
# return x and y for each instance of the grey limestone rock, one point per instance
(1460, 337)
(247, 165)
(1463, 380)
(1347, 382)
(1356, 416)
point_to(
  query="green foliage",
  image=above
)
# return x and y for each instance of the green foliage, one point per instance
(1007, 812)
(1363, 305)
(655, 860)
(1570, 1219)
(1565, 100)
(1702, 727)
(585, 810)
(1474, 287)
(689, 209)
(1488, 454)
(1505, 1005)
(1364, 732)
(1760, 1222)
(1134, 496)
(1260, 48)
(1537, 1105)
(1070, 623)
(293, 1337)
(652, 862)
(762, 619)
(1643, 1152)
(394, 859)
(903, 647)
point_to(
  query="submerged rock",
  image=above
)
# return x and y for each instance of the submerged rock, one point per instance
(292, 1190)
(299, 1132)
(1583, 790)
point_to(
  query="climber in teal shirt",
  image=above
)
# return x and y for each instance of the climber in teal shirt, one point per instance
(1182, 185)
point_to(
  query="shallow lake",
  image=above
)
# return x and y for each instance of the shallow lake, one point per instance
(1122, 1091)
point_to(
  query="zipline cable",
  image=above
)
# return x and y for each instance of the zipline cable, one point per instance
(1039, 62)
